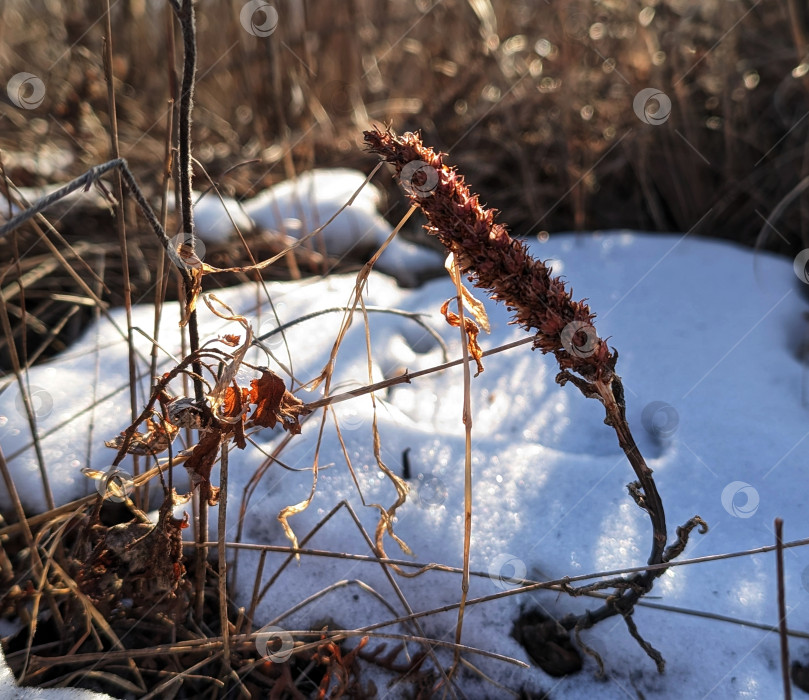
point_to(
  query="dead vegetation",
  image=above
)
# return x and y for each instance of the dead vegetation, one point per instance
(534, 103)
(141, 611)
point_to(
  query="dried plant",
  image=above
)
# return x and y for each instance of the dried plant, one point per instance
(145, 562)
(503, 266)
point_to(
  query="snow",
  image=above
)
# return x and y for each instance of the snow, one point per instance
(298, 207)
(314, 197)
(710, 337)
(215, 218)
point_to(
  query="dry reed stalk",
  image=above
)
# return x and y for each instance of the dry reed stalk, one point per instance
(120, 221)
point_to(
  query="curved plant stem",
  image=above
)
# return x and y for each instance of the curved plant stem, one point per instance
(503, 266)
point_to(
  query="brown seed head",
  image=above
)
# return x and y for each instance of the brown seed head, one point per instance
(492, 259)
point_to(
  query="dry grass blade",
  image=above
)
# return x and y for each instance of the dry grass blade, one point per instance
(467, 497)
(27, 403)
(782, 607)
(325, 376)
(162, 689)
(120, 220)
(385, 563)
(223, 566)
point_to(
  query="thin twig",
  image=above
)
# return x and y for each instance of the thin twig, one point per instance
(120, 220)
(782, 607)
(223, 566)
(185, 14)
(406, 378)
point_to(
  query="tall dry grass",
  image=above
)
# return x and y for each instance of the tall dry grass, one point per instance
(533, 101)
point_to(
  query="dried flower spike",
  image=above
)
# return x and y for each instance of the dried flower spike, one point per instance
(502, 265)
(492, 259)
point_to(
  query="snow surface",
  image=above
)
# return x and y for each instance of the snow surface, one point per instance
(215, 219)
(298, 207)
(711, 330)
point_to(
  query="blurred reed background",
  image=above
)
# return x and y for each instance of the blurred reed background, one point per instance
(533, 100)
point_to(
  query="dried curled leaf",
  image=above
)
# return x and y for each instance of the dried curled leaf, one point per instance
(234, 409)
(140, 562)
(200, 464)
(274, 403)
(184, 412)
(193, 294)
(474, 305)
(155, 440)
(471, 329)
(228, 374)
(234, 405)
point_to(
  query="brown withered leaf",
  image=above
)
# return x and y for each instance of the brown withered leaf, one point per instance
(155, 440)
(228, 373)
(474, 305)
(200, 463)
(193, 294)
(266, 393)
(236, 399)
(230, 339)
(274, 403)
(471, 329)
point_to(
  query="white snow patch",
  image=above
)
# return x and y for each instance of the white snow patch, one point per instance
(706, 327)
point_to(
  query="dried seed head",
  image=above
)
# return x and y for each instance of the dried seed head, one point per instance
(492, 259)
